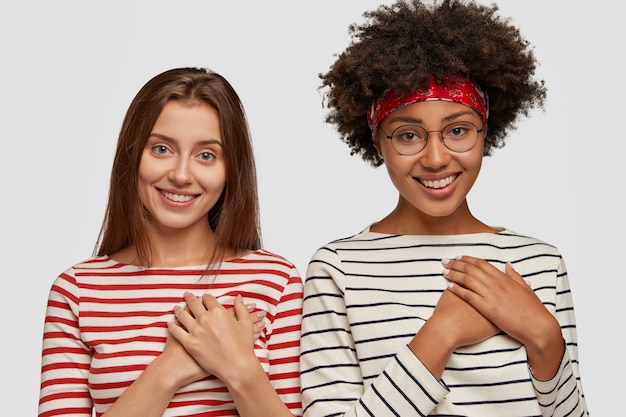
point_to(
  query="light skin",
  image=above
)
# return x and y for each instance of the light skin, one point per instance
(181, 175)
(481, 300)
(220, 343)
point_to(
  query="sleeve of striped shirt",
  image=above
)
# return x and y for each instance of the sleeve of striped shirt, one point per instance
(563, 394)
(332, 384)
(284, 345)
(65, 359)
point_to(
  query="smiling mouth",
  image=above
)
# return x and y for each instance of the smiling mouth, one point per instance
(178, 198)
(436, 184)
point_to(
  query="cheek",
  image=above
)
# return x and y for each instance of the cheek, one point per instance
(146, 176)
(395, 163)
(475, 157)
(399, 170)
(145, 173)
(214, 179)
(475, 163)
(472, 167)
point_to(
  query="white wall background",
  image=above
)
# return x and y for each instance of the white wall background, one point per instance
(70, 68)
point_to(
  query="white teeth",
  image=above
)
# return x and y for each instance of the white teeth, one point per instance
(178, 197)
(438, 183)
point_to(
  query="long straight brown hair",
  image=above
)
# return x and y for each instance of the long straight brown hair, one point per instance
(235, 217)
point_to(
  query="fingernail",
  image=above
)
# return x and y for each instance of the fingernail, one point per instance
(445, 271)
(251, 306)
(260, 314)
(445, 261)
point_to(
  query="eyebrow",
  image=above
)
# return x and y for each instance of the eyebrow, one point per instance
(448, 118)
(169, 139)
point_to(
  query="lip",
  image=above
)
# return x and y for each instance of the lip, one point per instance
(176, 197)
(439, 186)
(438, 182)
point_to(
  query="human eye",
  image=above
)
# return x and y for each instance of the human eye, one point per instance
(458, 131)
(206, 156)
(409, 134)
(161, 149)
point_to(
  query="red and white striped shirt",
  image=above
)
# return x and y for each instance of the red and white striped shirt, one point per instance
(106, 321)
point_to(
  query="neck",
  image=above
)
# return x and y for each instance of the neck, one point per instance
(181, 247)
(405, 219)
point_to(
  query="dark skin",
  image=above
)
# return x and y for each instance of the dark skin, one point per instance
(483, 47)
(481, 300)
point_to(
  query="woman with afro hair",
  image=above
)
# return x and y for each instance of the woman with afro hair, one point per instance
(430, 311)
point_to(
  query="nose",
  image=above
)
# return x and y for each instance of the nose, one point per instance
(435, 154)
(181, 171)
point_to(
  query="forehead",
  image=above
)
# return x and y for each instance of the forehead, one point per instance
(433, 111)
(188, 120)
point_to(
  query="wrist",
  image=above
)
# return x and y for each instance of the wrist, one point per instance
(166, 375)
(432, 347)
(245, 376)
(545, 353)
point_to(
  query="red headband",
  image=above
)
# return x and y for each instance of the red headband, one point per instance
(457, 89)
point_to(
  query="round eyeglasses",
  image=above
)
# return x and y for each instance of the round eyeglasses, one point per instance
(411, 139)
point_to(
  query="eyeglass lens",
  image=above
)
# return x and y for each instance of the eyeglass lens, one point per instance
(411, 139)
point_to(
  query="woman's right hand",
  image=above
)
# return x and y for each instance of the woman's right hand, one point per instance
(220, 341)
(454, 323)
(463, 325)
(178, 363)
(183, 366)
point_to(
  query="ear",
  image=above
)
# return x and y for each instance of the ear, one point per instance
(376, 143)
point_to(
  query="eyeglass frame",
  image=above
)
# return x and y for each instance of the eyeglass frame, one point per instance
(390, 137)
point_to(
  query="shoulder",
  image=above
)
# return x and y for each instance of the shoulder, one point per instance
(73, 278)
(263, 261)
(96, 270)
(339, 253)
(264, 256)
(364, 237)
(365, 243)
(511, 238)
(99, 262)
(91, 265)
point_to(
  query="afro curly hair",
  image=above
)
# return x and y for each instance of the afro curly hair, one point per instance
(400, 46)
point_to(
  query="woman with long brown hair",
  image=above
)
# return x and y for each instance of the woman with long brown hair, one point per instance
(155, 324)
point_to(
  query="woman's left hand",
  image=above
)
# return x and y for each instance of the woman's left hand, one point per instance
(222, 343)
(504, 298)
